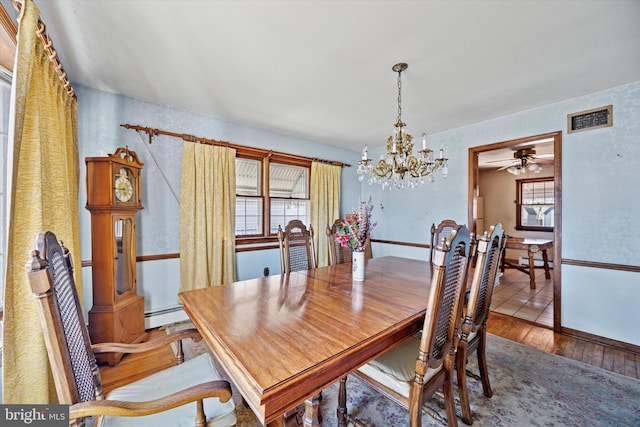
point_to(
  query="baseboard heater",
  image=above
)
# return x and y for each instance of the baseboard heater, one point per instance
(164, 316)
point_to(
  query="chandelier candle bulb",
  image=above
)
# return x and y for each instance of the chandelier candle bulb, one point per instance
(424, 141)
(365, 154)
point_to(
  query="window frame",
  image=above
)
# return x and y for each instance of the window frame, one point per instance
(519, 190)
(267, 158)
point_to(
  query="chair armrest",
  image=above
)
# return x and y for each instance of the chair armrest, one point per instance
(220, 389)
(148, 345)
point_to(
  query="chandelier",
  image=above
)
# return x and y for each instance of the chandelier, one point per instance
(399, 167)
(525, 163)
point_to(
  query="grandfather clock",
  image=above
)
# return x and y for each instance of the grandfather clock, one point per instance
(113, 198)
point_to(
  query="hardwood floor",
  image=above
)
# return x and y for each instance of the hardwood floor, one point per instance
(135, 366)
(543, 338)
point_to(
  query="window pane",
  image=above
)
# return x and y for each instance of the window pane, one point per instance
(247, 177)
(248, 216)
(284, 210)
(536, 203)
(537, 215)
(286, 181)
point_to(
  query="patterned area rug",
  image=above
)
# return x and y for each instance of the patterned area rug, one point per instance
(531, 388)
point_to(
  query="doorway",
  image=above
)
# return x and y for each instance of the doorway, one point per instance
(474, 194)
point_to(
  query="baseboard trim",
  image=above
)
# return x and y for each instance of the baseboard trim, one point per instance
(602, 340)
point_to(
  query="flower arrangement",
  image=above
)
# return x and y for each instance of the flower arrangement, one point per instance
(356, 230)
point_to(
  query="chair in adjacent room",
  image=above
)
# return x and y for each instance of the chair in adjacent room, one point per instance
(412, 372)
(473, 335)
(190, 393)
(443, 230)
(297, 251)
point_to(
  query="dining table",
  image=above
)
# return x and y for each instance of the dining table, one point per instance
(532, 246)
(282, 339)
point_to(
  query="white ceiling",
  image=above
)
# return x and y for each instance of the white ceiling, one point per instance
(322, 69)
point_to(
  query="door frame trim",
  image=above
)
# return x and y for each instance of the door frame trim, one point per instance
(474, 190)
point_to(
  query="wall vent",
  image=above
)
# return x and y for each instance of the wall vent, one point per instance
(596, 118)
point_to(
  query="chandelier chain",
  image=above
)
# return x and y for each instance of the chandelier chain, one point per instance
(399, 119)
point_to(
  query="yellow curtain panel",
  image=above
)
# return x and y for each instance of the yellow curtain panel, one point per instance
(43, 187)
(207, 216)
(325, 205)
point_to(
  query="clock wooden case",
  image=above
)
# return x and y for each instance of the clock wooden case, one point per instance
(113, 198)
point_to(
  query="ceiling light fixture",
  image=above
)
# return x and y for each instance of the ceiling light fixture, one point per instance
(400, 166)
(526, 164)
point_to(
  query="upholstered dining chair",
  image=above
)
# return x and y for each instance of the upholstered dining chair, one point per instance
(296, 247)
(442, 230)
(189, 393)
(473, 334)
(412, 372)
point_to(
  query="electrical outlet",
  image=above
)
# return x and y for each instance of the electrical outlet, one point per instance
(266, 271)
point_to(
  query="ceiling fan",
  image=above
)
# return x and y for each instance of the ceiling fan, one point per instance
(525, 160)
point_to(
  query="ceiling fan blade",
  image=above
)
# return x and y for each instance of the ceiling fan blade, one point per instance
(503, 168)
(543, 161)
(499, 161)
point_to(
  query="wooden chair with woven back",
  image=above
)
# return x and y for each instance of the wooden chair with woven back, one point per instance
(473, 335)
(297, 251)
(442, 230)
(412, 372)
(189, 393)
(338, 254)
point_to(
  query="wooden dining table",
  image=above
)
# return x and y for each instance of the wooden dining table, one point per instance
(282, 339)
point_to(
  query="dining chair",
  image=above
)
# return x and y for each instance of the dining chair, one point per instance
(473, 334)
(338, 254)
(412, 372)
(442, 230)
(189, 393)
(296, 247)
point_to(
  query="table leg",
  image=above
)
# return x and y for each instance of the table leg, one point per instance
(532, 271)
(545, 258)
(311, 413)
(342, 403)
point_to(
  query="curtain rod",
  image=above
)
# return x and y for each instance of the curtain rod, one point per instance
(154, 132)
(53, 55)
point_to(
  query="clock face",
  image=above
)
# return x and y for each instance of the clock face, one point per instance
(123, 186)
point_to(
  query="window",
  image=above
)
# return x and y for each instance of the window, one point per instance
(249, 199)
(535, 204)
(263, 204)
(289, 195)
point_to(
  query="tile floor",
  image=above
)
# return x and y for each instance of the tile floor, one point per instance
(513, 297)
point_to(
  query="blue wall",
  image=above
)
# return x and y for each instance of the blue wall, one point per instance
(100, 115)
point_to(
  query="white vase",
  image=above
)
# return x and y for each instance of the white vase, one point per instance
(357, 265)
